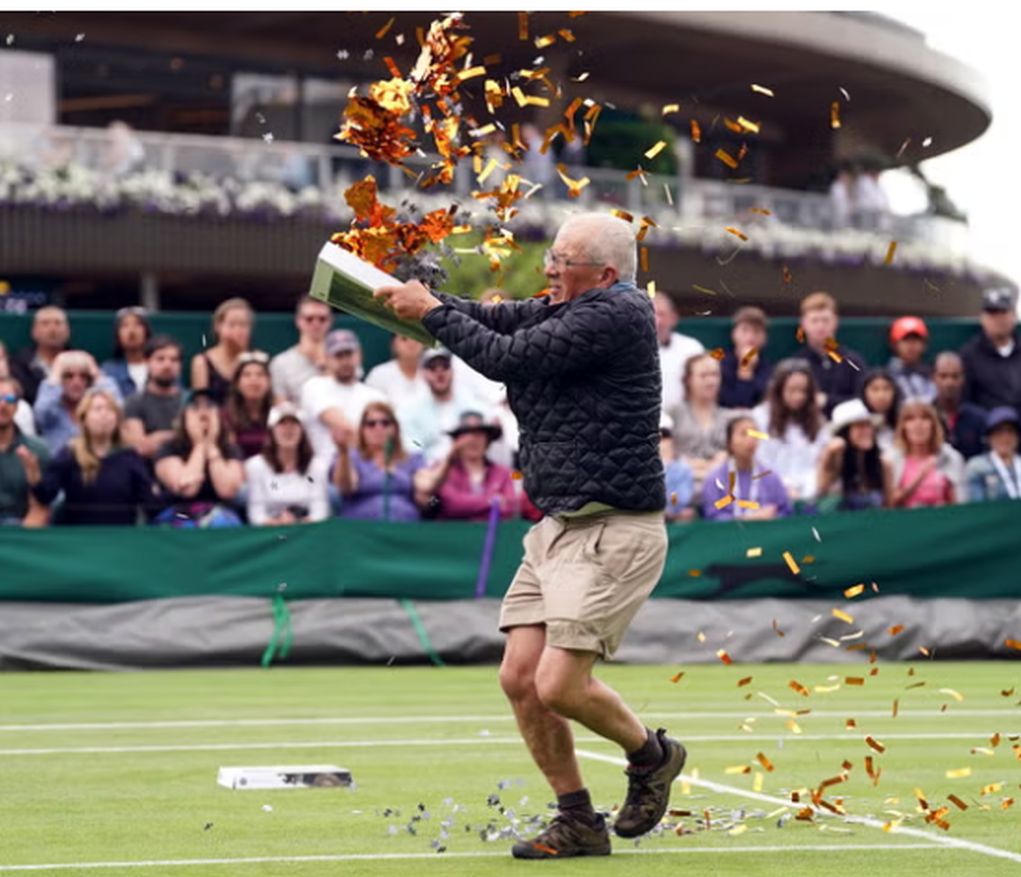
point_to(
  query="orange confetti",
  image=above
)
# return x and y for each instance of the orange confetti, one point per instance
(718, 353)
(736, 232)
(854, 591)
(854, 680)
(873, 743)
(724, 657)
(677, 677)
(851, 723)
(574, 187)
(958, 773)
(787, 278)
(776, 629)
(670, 108)
(567, 35)
(750, 356)
(799, 336)
(895, 629)
(726, 158)
(896, 708)
(696, 132)
(792, 564)
(516, 475)
(385, 29)
(890, 250)
(761, 210)
(622, 214)
(750, 127)
(835, 115)
(543, 42)
(644, 258)
(843, 616)
(723, 502)
(765, 762)
(694, 573)
(1013, 644)
(523, 26)
(762, 436)
(745, 681)
(957, 802)
(794, 685)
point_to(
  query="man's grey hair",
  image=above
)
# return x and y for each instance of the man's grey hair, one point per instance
(607, 239)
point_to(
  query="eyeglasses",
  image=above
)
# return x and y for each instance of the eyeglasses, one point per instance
(9, 398)
(382, 421)
(555, 260)
(435, 364)
(258, 356)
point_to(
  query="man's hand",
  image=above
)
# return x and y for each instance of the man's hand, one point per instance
(30, 462)
(409, 301)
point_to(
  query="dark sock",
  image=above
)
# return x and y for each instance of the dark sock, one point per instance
(577, 804)
(649, 754)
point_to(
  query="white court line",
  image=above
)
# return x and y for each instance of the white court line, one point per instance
(498, 717)
(976, 736)
(403, 857)
(942, 840)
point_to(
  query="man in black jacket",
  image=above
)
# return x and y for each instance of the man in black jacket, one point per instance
(838, 370)
(582, 373)
(992, 360)
(50, 335)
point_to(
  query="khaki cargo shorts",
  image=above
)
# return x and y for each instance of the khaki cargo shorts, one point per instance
(585, 578)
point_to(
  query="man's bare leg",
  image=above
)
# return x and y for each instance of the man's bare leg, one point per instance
(547, 734)
(565, 685)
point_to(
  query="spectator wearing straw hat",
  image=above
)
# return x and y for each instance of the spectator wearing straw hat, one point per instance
(469, 481)
(744, 370)
(997, 474)
(286, 483)
(909, 337)
(852, 467)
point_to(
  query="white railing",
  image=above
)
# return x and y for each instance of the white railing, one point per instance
(329, 168)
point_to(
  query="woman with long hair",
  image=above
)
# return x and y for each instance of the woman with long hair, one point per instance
(882, 397)
(127, 366)
(926, 470)
(199, 468)
(700, 424)
(377, 478)
(214, 368)
(790, 415)
(734, 489)
(286, 483)
(249, 400)
(103, 482)
(852, 467)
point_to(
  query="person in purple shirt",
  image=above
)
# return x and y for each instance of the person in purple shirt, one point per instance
(754, 496)
(470, 482)
(378, 479)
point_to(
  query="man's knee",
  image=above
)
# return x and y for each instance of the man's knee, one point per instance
(562, 694)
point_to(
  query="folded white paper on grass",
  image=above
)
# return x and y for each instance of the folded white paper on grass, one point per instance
(345, 282)
(301, 776)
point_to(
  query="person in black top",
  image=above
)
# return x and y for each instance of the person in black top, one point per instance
(102, 481)
(744, 370)
(965, 424)
(837, 369)
(199, 468)
(992, 359)
(581, 366)
(50, 335)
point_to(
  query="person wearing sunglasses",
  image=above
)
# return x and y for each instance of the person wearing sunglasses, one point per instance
(249, 399)
(127, 366)
(581, 365)
(377, 478)
(24, 419)
(74, 373)
(306, 359)
(22, 459)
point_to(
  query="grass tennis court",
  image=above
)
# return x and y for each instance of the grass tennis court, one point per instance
(115, 774)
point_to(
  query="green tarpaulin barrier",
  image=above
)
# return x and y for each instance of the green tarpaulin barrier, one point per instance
(963, 551)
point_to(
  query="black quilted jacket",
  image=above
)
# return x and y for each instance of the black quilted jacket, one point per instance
(583, 380)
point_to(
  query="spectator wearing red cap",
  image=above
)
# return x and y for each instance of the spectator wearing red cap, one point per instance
(744, 370)
(909, 337)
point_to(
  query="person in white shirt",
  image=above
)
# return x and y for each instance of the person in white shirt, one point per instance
(307, 359)
(333, 403)
(401, 378)
(791, 417)
(286, 483)
(675, 350)
(433, 415)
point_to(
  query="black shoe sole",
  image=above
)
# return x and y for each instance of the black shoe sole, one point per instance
(529, 853)
(638, 832)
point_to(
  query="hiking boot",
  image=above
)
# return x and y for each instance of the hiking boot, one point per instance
(564, 837)
(648, 790)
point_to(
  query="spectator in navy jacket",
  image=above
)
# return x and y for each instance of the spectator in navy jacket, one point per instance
(32, 365)
(964, 422)
(992, 359)
(837, 369)
(744, 370)
(128, 366)
(102, 481)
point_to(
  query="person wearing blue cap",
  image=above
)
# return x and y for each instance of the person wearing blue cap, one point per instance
(997, 474)
(992, 359)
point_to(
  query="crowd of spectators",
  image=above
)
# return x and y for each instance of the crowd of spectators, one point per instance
(306, 435)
